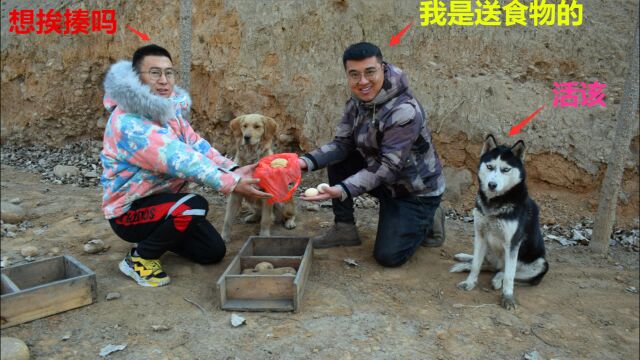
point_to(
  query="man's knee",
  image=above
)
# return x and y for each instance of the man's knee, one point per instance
(388, 258)
(198, 202)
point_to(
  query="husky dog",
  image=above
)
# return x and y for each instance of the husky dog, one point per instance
(507, 238)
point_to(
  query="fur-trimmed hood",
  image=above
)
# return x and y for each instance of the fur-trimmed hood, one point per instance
(124, 89)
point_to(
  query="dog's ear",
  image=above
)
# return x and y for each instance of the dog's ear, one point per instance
(489, 144)
(235, 127)
(270, 128)
(518, 149)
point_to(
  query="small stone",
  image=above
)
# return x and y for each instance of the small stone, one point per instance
(312, 207)
(55, 250)
(12, 213)
(66, 337)
(29, 250)
(619, 279)
(631, 290)
(532, 355)
(15, 201)
(237, 320)
(112, 296)
(442, 334)
(94, 246)
(63, 171)
(13, 349)
(159, 328)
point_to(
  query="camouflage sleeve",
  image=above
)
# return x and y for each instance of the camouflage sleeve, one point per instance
(397, 138)
(342, 144)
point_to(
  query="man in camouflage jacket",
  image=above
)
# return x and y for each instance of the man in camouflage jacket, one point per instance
(382, 147)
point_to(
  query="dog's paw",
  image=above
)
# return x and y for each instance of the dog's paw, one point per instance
(460, 267)
(466, 285)
(508, 302)
(290, 224)
(265, 232)
(253, 218)
(226, 238)
(496, 282)
(462, 257)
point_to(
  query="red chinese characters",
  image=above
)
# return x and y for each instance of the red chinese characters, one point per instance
(71, 21)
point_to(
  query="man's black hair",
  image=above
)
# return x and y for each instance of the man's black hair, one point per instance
(360, 51)
(149, 50)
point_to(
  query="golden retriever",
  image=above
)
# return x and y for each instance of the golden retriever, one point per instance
(254, 136)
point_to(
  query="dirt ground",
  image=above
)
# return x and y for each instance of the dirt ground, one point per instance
(581, 309)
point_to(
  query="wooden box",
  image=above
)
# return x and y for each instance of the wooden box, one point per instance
(267, 292)
(45, 287)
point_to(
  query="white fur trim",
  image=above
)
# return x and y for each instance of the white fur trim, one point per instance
(122, 84)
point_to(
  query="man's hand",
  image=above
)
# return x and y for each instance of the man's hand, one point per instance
(333, 192)
(246, 182)
(302, 164)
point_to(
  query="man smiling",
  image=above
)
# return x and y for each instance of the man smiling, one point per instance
(382, 147)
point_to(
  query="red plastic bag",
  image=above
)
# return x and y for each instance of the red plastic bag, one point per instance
(281, 182)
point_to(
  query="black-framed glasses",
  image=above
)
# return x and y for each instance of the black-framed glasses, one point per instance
(156, 73)
(369, 74)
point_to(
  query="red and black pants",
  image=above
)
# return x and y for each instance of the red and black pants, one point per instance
(171, 222)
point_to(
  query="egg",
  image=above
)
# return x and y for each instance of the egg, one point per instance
(321, 188)
(311, 192)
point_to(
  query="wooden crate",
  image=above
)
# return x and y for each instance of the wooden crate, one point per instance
(267, 292)
(45, 287)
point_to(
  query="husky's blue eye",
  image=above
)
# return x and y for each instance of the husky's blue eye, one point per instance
(505, 170)
(490, 167)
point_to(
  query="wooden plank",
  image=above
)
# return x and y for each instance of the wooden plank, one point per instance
(259, 287)
(278, 245)
(37, 273)
(8, 286)
(232, 269)
(302, 276)
(250, 262)
(259, 305)
(41, 301)
(247, 248)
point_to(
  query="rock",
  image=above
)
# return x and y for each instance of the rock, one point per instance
(111, 349)
(12, 213)
(90, 174)
(63, 171)
(237, 320)
(531, 355)
(159, 328)
(13, 349)
(112, 296)
(312, 207)
(94, 246)
(29, 250)
(15, 201)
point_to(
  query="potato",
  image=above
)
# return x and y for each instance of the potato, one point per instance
(322, 187)
(279, 163)
(311, 192)
(264, 266)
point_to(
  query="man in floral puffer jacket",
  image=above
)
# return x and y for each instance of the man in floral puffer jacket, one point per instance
(149, 153)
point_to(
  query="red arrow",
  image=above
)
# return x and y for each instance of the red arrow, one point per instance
(515, 130)
(143, 36)
(395, 39)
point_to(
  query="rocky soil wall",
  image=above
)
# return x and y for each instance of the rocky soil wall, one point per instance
(282, 59)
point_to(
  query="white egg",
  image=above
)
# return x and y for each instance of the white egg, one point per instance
(311, 192)
(321, 188)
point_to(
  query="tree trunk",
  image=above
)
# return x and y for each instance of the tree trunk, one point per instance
(606, 215)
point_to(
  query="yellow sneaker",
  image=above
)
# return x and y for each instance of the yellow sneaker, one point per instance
(145, 272)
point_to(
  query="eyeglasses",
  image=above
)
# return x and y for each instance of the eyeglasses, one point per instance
(369, 74)
(156, 73)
